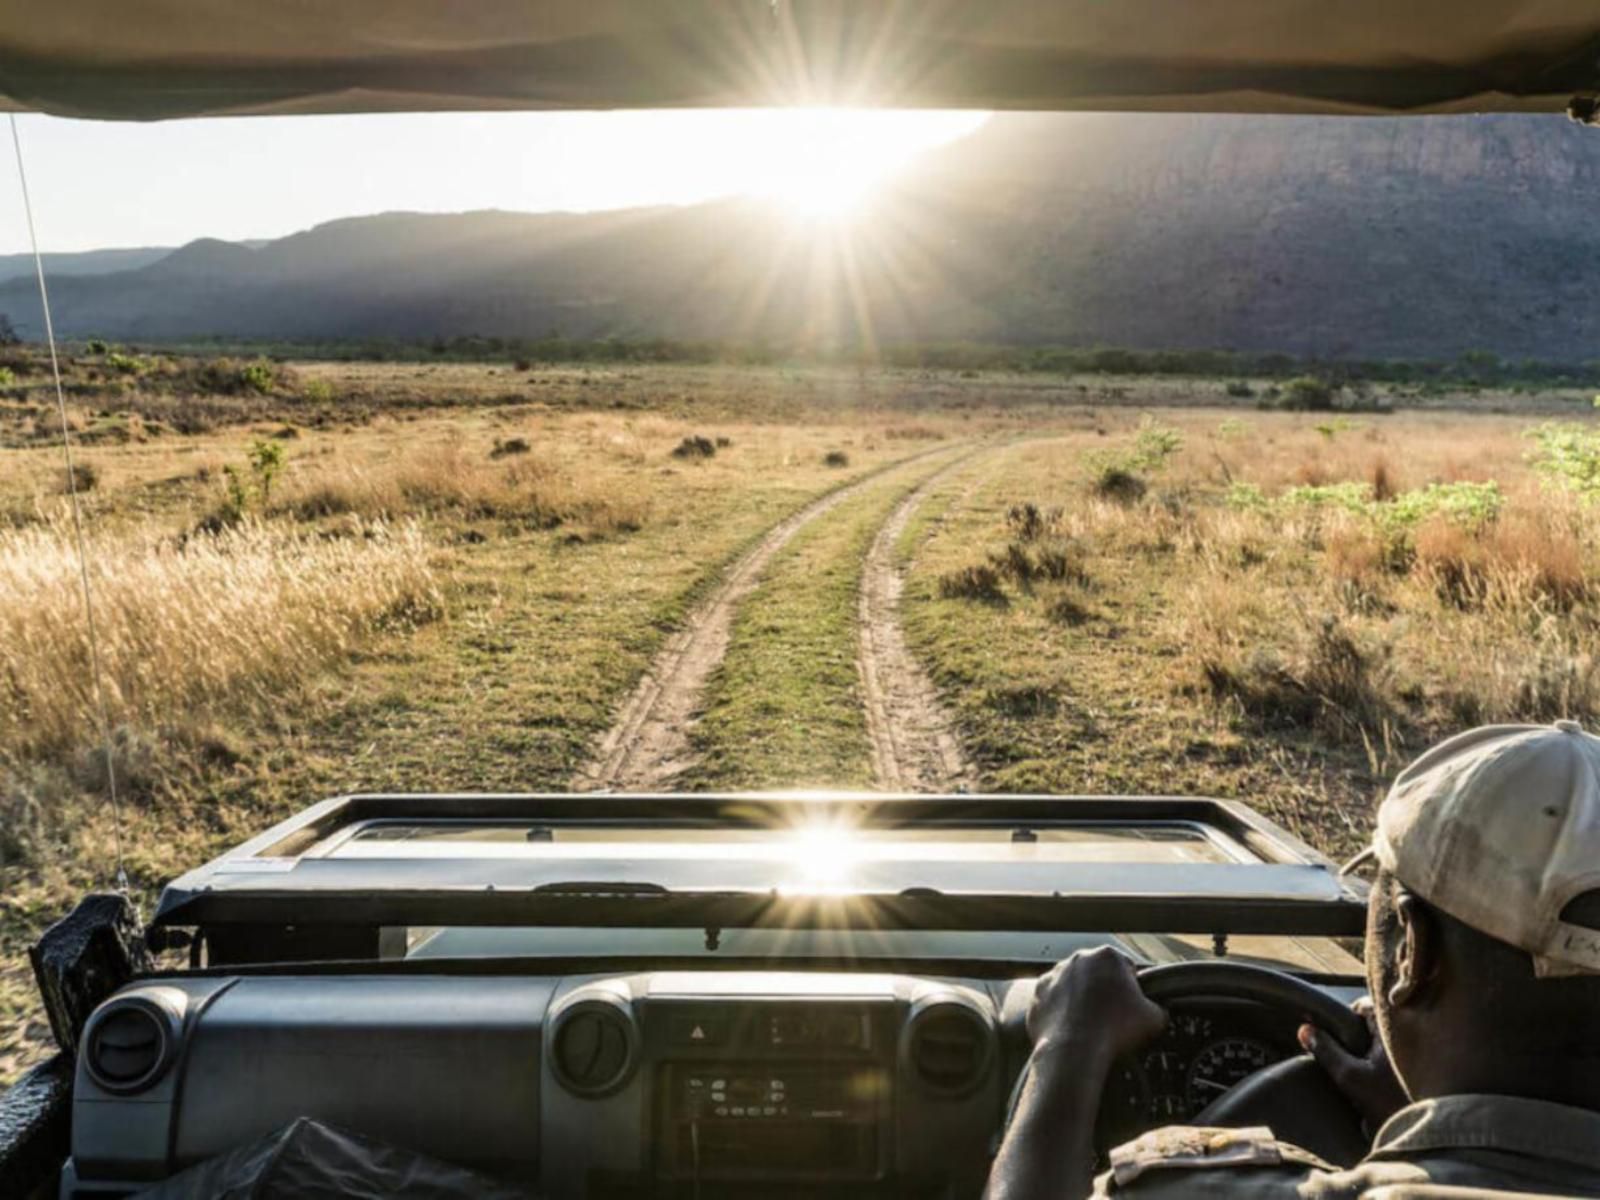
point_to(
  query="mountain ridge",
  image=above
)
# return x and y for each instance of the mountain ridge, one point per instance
(1342, 238)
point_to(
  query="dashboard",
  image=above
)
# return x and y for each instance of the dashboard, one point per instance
(1209, 1046)
(653, 1084)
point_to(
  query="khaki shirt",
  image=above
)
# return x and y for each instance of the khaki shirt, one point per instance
(1472, 1141)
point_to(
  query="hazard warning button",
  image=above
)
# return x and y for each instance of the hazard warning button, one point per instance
(698, 1030)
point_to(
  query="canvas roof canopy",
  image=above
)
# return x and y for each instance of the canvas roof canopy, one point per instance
(151, 59)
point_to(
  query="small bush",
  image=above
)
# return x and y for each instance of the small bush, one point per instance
(1029, 522)
(8, 377)
(505, 447)
(95, 346)
(1027, 566)
(318, 391)
(1240, 389)
(1569, 456)
(1307, 394)
(836, 458)
(723, 441)
(695, 446)
(978, 582)
(1116, 484)
(1067, 609)
(83, 478)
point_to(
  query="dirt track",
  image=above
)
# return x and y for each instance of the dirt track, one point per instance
(913, 748)
(647, 746)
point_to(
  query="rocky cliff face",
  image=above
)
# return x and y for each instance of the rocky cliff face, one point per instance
(1360, 237)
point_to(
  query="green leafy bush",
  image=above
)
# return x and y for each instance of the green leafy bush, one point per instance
(1247, 497)
(1307, 394)
(1351, 496)
(1569, 457)
(1119, 474)
(1471, 504)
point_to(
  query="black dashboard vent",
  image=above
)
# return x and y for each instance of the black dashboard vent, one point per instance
(949, 1047)
(129, 1047)
(593, 1048)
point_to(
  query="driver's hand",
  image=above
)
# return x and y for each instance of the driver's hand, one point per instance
(1367, 1081)
(1094, 996)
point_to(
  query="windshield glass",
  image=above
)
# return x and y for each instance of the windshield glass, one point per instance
(634, 456)
(818, 845)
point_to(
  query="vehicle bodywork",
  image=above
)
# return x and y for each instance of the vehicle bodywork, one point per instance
(419, 969)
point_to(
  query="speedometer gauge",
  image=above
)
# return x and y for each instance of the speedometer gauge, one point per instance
(1222, 1064)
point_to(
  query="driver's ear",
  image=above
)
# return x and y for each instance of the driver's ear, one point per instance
(1417, 955)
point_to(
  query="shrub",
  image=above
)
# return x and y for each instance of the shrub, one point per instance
(1123, 487)
(1307, 394)
(1569, 456)
(1025, 566)
(95, 346)
(266, 461)
(1239, 388)
(695, 446)
(1351, 496)
(505, 447)
(1118, 474)
(1473, 505)
(8, 377)
(84, 477)
(836, 458)
(1247, 497)
(1067, 609)
(318, 391)
(723, 441)
(978, 582)
(1029, 522)
(228, 377)
(1332, 685)
(126, 364)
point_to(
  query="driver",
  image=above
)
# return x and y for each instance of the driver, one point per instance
(1483, 961)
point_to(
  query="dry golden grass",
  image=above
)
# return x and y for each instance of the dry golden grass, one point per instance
(447, 478)
(188, 626)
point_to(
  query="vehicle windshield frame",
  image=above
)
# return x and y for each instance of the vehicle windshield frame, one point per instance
(277, 879)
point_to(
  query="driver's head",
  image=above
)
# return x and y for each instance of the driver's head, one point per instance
(1483, 935)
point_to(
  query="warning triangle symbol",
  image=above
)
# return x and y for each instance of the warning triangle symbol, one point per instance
(697, 1034)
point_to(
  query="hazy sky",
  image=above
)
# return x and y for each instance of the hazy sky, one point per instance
(100, 184)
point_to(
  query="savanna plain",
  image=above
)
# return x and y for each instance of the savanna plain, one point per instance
(315, 578)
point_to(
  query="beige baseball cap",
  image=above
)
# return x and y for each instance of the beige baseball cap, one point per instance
(1500, 828)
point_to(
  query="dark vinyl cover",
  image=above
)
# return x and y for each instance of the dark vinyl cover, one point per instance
(311, 1161)
(148, 59)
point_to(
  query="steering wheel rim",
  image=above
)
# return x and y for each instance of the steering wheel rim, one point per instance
(1263, 985)
(1243, 981)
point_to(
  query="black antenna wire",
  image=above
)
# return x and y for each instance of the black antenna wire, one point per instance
(77, 518)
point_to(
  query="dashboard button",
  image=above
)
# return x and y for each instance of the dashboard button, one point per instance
(697, 1031)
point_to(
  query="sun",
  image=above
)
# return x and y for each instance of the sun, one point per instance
(825, 164)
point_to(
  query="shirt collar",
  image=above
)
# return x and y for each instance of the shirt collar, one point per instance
(1509, 1123)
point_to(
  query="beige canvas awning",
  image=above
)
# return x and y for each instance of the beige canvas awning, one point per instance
(148, 59)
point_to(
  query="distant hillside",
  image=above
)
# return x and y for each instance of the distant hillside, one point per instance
(85, 262)
(1364, 238)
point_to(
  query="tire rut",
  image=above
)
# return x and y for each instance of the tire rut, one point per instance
(648, 745)
(913, 746)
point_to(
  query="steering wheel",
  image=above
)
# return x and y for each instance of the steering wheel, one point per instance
(1294, 1097)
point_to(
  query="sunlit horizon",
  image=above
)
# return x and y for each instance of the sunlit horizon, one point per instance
(99, 185)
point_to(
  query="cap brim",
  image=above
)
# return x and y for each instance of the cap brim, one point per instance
(1360, 860)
